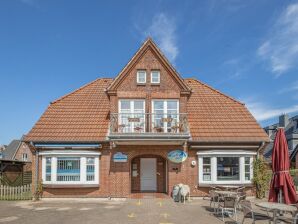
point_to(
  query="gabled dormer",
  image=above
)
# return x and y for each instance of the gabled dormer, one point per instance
(151, 69)
(148, 98)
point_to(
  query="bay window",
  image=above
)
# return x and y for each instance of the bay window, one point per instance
(225, 167)
(70, 167)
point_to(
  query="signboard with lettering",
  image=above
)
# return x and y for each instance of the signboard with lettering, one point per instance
(133, 119)
(120, 157)
(177, 156)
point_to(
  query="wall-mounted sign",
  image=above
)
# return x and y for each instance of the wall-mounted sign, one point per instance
(167, 120)
(119, 157)
(177, 156)
(133, 119)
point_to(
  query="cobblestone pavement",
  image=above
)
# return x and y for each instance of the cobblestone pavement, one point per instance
(81, 211)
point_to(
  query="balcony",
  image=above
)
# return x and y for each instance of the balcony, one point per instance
(148, 126)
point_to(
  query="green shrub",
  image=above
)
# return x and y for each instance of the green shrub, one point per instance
(261, 177)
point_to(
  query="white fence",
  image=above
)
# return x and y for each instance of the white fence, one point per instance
(16, 193)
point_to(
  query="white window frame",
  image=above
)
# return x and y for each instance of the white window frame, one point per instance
(23, 158)
(54, 154)
(138, 76)
(214, 154)
(132, 111)
(165, 110)
(158, 77)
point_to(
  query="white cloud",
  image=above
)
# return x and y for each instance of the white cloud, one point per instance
(264, 112)
(290, 88)
(281, 48)
(163, 30)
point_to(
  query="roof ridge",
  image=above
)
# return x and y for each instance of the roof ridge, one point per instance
(215, 90)
(76, 90)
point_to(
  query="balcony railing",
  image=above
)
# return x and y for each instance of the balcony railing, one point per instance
(142, 123)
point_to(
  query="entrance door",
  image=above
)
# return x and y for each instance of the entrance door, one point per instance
(148, 174)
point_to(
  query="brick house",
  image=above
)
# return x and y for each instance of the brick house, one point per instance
(143, 131)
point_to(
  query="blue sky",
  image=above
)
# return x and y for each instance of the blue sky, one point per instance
(246, 49)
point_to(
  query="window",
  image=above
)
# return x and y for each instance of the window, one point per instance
(48, 168)
(90, 169)
(155, 77)
(247, 168)
(66, 168)
(141, 77)
(225, 167)
(25, 157)
(206, 168)
(131, 116)
(165, 115)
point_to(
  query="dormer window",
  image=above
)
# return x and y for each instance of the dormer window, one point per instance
(155, 77)
(141, 77)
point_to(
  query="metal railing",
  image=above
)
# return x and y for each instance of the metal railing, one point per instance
(149, 123)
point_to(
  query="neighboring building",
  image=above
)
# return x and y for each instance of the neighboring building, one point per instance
(2, 148)
(17, 150)
(290, 126)
(15, 164)
(146, 130)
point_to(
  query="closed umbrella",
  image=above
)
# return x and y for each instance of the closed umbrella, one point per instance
(282, 184)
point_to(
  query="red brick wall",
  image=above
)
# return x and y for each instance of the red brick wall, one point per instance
(115, 178)
(167, 89)
(23, 149)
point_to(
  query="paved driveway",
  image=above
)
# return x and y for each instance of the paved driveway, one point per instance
(143, 211)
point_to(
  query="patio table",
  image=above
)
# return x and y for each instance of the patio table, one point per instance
(275, 207)
(225, 193)
(229, 187)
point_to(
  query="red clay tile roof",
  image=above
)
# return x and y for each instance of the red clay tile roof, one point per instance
(215, 117)
(82, 116)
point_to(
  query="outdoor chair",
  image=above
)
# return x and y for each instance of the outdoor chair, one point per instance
(214, 200)
(228, 204)
(248, 212)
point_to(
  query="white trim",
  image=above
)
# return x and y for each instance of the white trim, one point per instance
(241, 154)
(165, 110)
(158, 77)
(83, 158)
(138, 82)
(69, 152)
(226, 152)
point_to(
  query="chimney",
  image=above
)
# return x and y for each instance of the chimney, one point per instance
(283, 120)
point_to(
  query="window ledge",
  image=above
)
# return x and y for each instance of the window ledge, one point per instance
(70, 185)
(155, 84)
(141, 84)
(221, 184)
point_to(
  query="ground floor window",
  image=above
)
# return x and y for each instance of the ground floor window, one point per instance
(70, 169)
(225, 167)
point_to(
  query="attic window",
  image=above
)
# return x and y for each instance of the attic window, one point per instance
(155, 77)
(141, 77)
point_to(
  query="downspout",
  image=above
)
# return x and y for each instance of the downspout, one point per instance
(258, 150)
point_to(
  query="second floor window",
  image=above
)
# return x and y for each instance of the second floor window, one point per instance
(141, 77)
(165, 115)
(131, 116)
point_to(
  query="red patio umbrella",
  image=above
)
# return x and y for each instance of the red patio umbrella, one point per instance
(281, 180)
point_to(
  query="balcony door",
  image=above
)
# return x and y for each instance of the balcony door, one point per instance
(131, 116)
(165, 115)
